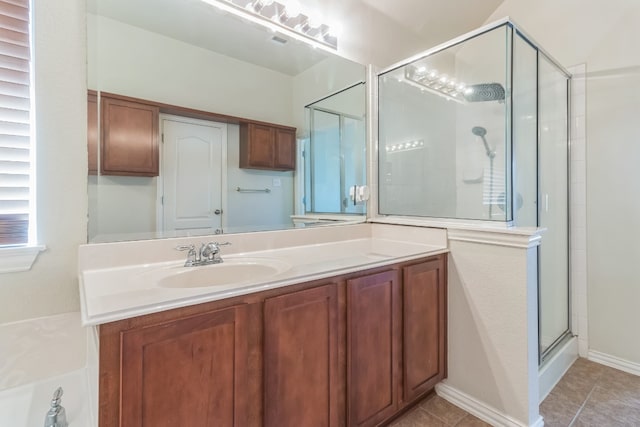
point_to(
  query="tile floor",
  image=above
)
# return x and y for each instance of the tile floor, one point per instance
(589, 395)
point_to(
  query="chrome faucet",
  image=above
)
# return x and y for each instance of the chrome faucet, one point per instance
(57, 416)
(209, 253)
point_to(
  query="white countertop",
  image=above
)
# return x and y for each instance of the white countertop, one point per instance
(110, 294)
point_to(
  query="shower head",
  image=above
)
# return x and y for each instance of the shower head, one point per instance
(481, 132)
(484, 92)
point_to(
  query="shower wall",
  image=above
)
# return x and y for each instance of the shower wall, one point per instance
(480, 184)
(431, 162)
(422, 178)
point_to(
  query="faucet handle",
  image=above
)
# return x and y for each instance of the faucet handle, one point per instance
(57, 416)
(192, 256)
(57, 397)
(211, 251)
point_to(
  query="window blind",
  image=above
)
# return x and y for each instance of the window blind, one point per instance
(15, 139)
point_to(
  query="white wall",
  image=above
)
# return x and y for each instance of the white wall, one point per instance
(129, 61)
(492, 326)
(604, 36)
(51, 286)
(255, 211)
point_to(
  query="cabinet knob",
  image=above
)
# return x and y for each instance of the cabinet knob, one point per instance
(217, 211)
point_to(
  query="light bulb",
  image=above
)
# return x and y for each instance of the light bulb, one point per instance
(314, 22)
(292, 10)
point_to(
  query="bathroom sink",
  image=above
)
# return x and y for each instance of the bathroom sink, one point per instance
(230, 272)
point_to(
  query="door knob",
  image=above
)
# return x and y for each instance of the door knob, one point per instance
(217, 211)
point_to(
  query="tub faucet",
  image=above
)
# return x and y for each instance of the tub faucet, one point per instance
(57, 416)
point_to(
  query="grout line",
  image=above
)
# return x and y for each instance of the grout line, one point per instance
(575, 417)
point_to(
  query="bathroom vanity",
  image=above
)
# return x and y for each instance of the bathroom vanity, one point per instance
(345, 332)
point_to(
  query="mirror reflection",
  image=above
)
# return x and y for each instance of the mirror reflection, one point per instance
(335, 165)
(197, 123)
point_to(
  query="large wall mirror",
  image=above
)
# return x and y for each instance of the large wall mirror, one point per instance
(202, 83)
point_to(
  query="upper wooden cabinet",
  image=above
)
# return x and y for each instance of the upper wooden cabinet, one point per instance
(129, 138)
(264, 146)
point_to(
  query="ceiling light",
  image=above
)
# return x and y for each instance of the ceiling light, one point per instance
(286, 19)
(434, 82)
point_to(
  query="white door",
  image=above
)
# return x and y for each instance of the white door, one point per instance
(193, 173)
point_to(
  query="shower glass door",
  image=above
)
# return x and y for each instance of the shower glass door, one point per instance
(553, 212)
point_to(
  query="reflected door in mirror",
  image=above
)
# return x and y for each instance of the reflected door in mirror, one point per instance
(193, 167)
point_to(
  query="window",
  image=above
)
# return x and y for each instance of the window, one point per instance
(15, 133)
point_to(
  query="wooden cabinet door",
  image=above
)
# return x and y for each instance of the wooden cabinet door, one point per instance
(257, 145)
(129, 138)
(373, 335)
(301, 359)
(424, 323)
(190, 372)
(285, 158)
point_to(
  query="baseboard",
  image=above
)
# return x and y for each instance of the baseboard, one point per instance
(614, 362)
(480, 409)
(554, 368)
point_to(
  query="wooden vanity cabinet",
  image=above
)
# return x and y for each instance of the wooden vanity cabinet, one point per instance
(301, 381)
(351, 350)
(186, 372)
(373, 348)
(264, 146)
(130, 138)
(424, 320)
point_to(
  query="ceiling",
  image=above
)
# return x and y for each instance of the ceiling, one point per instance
(203, 25)
(379, 32)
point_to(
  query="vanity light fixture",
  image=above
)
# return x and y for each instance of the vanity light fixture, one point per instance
(277, 17)
(434, 82)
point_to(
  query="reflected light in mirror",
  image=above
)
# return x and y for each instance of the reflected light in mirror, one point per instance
(277, 17)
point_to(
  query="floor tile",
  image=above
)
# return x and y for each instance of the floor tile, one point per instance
(605, 408)
(443, 410)
(558, 410)
(589, 395)
(418, 418)
(576, 384)
(471, 421)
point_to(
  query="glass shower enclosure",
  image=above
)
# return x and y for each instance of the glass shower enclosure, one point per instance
(477, 129)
